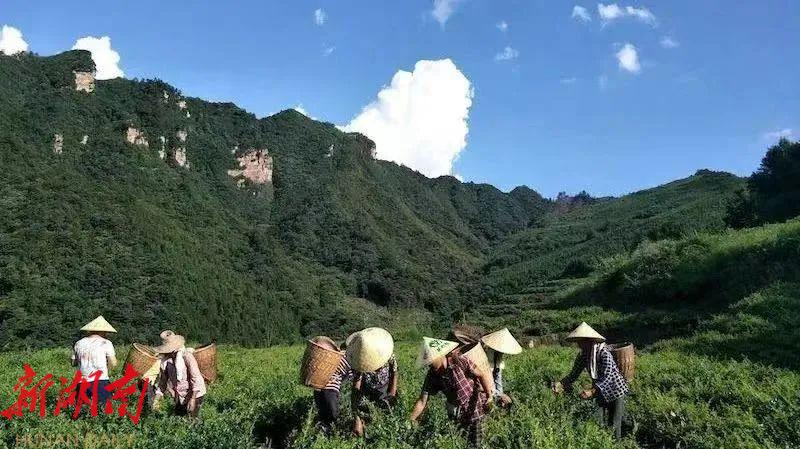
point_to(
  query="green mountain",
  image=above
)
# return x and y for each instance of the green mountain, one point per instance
(127, 199)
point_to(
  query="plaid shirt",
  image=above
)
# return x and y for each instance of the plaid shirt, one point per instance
(460, 382)
(377, 382)
(609, 382)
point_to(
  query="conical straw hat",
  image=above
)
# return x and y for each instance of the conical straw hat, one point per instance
(433, 349)
(585, 331)
(170, 342)
(502, 341)
(369, 349)
(98, 324)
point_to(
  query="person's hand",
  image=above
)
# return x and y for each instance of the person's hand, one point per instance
(558, 388)
(156, 402)
(587, 394)
(504, 401)
(191, 405)
(358, 427)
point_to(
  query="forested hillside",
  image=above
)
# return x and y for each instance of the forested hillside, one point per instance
(156, 210)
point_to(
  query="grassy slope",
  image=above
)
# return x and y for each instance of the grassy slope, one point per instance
(732, 295)
(589, 233)
(679, 400)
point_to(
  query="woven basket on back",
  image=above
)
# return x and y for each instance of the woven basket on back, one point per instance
(206, 357)
(625, 356)
(318, 365)
(141, 358)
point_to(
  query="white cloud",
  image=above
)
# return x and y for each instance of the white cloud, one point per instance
(507, 54)
(778, 134)
(643, 14)
(502, 26)
(299, 108)
(11, 41)
(328, 50)
(628, 58)
(320, 16)
(105, 58)
(581, 13)
(669, 42)
(443, 9)
(609, 13)
(570, 80)
(420, 119)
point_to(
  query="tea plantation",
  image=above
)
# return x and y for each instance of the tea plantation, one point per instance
(678, 400)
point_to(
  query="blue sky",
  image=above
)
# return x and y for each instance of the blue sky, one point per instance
(556, 111)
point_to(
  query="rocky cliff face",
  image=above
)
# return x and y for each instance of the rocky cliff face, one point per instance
(84, 81)
(255, 166)
(58, 144)
(136, 137)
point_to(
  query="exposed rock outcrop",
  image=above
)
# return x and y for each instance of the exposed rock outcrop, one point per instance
(58, 144)
(255, 166)
(179, 157)
(182, 104)
(85, 139)
(162, 153)
(84, 81)
(136, 137)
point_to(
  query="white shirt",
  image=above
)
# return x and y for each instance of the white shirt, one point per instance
(92, 355)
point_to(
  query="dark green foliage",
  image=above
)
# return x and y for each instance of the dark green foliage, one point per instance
(109, 227)
(773, 191)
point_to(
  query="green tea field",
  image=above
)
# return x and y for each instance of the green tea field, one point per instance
(678, 400)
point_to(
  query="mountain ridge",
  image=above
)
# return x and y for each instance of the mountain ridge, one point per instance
(143, 213)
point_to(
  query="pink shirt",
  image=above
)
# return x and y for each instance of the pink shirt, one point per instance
(179, 379)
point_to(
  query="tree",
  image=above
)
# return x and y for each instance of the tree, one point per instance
(773, 191)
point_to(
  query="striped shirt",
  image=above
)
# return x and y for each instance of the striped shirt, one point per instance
(342, 373)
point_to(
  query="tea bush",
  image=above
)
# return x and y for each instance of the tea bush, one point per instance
(678, 400)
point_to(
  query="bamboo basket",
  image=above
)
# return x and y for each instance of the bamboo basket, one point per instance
(318, 365)
(206, 357)
(625, 356)
(141, 358)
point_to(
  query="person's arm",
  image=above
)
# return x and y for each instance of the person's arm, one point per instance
(74, 358)
(194, 375)
(498, 382)
(111, 355)
(355, 394)
(419, 406)
(487, 383)
(196, 382)
(577, 367)
(393, 379)
(428, 388)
